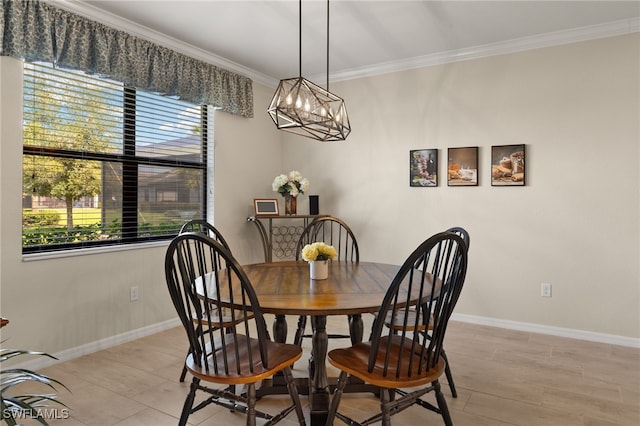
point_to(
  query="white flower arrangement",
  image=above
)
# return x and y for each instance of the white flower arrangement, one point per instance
(318, 251)
(292, 184)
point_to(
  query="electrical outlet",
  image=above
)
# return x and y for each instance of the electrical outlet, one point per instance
(133, 294)
(545, 290)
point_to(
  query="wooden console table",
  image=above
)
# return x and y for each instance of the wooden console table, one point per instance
(280, 239)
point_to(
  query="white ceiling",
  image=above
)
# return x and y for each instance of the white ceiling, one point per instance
(260, 38)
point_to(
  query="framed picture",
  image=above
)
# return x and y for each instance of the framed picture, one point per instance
(507, 165)
(423, 167)
(266, 206)
(462, 168)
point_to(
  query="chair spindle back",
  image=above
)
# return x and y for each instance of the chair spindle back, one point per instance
(201, 226)
(332, 231)
(204, 281)
(432, 278)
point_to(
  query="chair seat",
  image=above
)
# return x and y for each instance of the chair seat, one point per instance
(218, 321)
(354, 361)
(280, 355)
(397, 321)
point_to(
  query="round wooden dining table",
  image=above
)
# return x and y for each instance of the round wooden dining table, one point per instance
(352, 288)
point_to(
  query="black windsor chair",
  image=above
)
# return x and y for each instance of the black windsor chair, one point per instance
(411, 312)
(335, 232)
(432, 276)
(204, 279)
(203, 227)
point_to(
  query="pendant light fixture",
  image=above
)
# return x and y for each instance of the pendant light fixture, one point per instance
(302, 107)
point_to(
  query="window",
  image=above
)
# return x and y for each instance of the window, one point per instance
(106, 164)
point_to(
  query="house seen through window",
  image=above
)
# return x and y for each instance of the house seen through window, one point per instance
(106, 164)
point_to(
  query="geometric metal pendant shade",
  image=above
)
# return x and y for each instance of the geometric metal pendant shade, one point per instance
(302, 107)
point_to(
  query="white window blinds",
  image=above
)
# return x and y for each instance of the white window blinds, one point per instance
(107, 164)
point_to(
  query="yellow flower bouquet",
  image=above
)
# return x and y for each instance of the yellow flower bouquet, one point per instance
(318, 251)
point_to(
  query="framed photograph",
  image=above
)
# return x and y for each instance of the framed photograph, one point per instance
(266, 206)
(423, 167)
(462, 168)
(507, 165)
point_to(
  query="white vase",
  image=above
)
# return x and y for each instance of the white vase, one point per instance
(319, 269)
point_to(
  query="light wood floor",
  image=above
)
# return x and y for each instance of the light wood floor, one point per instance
(503, 377)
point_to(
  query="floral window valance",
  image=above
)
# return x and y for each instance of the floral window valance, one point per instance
(36, 31)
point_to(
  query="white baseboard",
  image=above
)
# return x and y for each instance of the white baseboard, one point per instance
(43, 362)
(553, 331)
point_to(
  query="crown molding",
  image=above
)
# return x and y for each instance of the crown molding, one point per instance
(610, 29)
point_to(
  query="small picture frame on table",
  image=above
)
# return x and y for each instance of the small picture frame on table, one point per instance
(462, 167)
(423, 167)
(266, 207)
(507, 165)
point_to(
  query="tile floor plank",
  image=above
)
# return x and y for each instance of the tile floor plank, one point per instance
(504, 378)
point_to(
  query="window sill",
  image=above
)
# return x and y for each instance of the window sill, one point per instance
(93, 250)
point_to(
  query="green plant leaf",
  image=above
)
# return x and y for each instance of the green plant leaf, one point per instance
(29, 403)
(6, 354)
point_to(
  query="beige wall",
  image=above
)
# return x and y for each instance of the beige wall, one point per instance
(575, 224)
(80, 303)
(248, 155)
